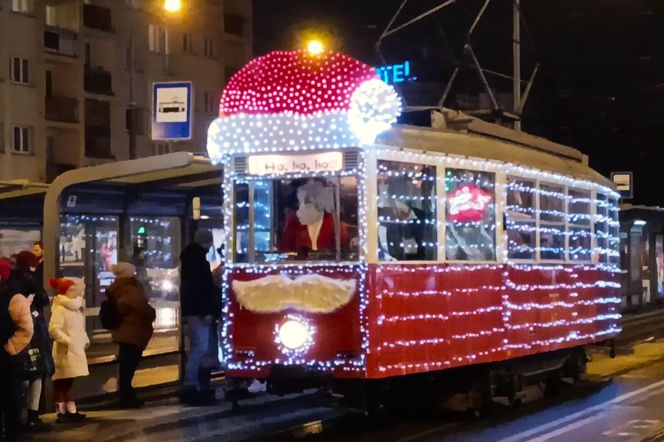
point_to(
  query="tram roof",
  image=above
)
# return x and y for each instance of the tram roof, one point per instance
(456, 133)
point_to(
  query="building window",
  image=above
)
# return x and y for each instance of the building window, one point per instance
(21, 142)
(552, 222)
(188, 43)
(161, 148)
(23, 6)
(470, 217)
(208, 47)
(521, 225)
(209, 103)
(19, 70)
(158, 39)
(406, 211)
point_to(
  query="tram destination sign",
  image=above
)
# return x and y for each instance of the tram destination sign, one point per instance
(278, 164)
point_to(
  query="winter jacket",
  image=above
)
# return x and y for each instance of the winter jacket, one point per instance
(136, 314)
(198, 294)
(25, 282)
(19, 333)
(67, 329)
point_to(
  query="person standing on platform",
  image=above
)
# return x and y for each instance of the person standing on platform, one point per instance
(23, 280)
(38, 251)
(200, 302)
(135, 329)
(16, 330)
(67, 329)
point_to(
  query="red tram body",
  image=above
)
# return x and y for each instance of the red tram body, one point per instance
(424, 318)
(465, 244)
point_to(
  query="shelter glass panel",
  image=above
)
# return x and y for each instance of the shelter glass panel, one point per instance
(15, 240)
(407, 218)
(470, 215)
(156, 246)
(88, 248)
(521, 218)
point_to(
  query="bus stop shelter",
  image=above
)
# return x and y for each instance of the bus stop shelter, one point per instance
(143, 211)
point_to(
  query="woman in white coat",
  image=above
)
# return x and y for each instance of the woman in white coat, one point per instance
(67, 329)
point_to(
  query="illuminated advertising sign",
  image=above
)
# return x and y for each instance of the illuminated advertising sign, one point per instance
(395, 73)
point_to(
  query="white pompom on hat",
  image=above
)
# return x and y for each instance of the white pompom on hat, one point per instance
(124, 270)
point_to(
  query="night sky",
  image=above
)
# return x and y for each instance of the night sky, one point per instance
(600, 87)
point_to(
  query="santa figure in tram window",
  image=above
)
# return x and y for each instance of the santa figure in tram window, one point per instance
(311, 227)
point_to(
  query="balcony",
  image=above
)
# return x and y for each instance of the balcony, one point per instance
(55, 170)
(98, 81)
(62, 109)
(98, 142)
(234, 24)
(60, 41)
(96, 17)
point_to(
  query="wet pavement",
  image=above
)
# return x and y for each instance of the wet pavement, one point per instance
(620, 400)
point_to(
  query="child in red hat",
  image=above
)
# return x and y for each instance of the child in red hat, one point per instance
(67, 329)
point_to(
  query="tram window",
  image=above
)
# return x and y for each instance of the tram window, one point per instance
(242, 223)
(305, 219)
(521, 223)
(602, 228)
(470, 215)
(614, 235)
(552, 222)
(580, 226)
(406, 211)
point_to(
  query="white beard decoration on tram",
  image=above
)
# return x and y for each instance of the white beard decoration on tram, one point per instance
(307, 293)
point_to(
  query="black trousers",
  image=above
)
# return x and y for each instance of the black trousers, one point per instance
(129, 358)
(10, 399)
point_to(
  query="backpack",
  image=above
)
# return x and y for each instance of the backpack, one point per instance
(109, 314)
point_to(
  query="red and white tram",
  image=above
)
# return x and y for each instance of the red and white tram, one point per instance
(365, 252)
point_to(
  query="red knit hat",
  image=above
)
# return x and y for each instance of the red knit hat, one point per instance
(5, 268)
(26, 260)
(61, 284)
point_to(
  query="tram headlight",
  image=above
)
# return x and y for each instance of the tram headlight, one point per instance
(294, 334)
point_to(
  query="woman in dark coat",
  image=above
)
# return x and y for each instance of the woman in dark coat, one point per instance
(23, 280)
(135, 329)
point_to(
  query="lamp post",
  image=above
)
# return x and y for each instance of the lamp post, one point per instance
(169, 7)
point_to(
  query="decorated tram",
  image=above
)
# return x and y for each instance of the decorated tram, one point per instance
(359, 252)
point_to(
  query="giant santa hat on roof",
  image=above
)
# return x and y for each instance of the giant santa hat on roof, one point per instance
(292, 100)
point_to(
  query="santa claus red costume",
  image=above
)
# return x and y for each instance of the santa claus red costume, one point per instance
(312, 227)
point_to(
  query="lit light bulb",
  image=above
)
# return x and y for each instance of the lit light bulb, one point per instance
(315, 47)
(172, 5)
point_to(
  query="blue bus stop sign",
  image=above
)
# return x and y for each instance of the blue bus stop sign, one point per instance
(171, 110)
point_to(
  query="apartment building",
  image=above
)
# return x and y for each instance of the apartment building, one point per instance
(71, 69)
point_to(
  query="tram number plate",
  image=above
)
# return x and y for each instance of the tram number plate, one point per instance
(279, 164)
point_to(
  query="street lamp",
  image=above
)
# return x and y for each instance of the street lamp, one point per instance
(172, 5)
(169, 7)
